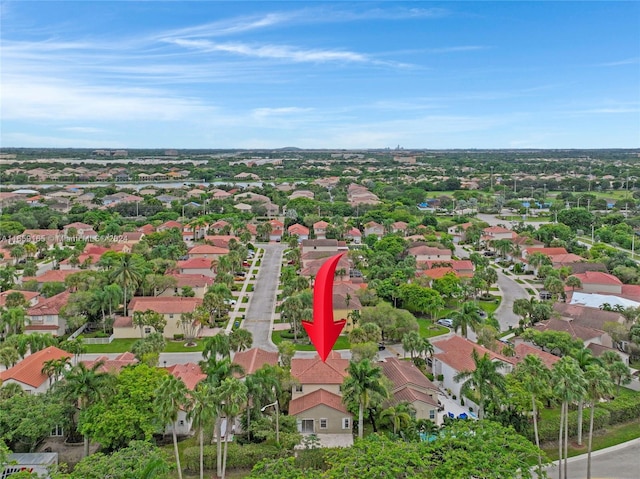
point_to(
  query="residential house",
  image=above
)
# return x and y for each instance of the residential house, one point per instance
(400, 227)
(220, 227)
(202, 266)
(423, 253)
(253, 359)
(453, 355)
(312, 262)
(245, 208)
(171, 308)
(584, 333)
(302, 194)
(522, 350)
(45, 316)
(316, 398)
(345, 302)
(373, 228)
(82, 231)
(221, 241)
(459, 232)
(412, 386)
(494, 233)
(199, 283)
(147, 229)
(31, 297)
(167, 225)
(28, 373)
(599, 282)
(51, 276)
(113, 366)
(277, 230)
(327, 245)
(190, 374)
(353, 235)
(298, 230)
(320, 229)
(207, 251)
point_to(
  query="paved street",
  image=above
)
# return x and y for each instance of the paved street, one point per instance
(617, 462)
(511, 290)
(259, 315)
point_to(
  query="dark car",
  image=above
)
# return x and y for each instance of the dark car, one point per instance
(381, 347)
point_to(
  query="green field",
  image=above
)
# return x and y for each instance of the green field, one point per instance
(124, 345)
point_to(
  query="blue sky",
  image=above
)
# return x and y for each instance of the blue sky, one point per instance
(320, 74)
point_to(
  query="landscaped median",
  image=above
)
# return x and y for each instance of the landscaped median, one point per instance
(124, 345)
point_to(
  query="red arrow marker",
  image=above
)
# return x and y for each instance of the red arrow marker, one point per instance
(323, 331)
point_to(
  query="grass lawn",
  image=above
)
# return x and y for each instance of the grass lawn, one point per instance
(124, 345)
(341, 343)
(428, 329)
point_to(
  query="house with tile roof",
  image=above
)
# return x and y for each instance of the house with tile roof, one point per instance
(51, 276)
(321, 412)
(453, 355)
(458, 232)
(28, 373)
(424, 253)
(218, 227)
(577, 331)
(412, 386)
(523, 349)
(493, 233)
(167, 225)
(31, 297)
(253, 359)
(171, 308)
(373, 228)
(301, 231)
(400, 227)
(206, 251)
(199, 283)
(114, 365)
(201, 266)
(320, 229)
(599, 282)
(277, 230)
(353, 235)
(313, 374)
(45, 316)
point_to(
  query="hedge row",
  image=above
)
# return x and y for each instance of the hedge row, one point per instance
(623, 408)
(550, 430)
(241, 457)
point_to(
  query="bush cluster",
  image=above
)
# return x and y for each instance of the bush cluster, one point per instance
(550, 430)
(238, 457)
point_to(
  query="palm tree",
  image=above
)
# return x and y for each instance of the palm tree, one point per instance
(480, 384)
(619, 373)
(426, 348)
(399, 415)
(538, 259)
(263, 387)
(216, 346)
(232, 395)
(240, 339)
(86, 386)
(128, 273)
(412, 342)
(466, 317)
(9, 356)
(12, 320)
(201, 413)
(584, 357)
(362, 382)
(171, 396)
(568, 386)
(599, 385)
(534, 377)
(573, 282)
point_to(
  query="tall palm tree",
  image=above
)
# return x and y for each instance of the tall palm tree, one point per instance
(466, 317)
(86, 386)
(412, 342)
(599, 385)
(216, 346)
(482, 384)
(201, 413)
(362, 382)
(534, 377)
(619, 372)
(568, 386)
(171, 396)
(128, 273)
(584, 357)
(232, 395)
(263, 387)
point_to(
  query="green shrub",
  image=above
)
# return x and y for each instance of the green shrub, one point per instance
(178, 337)
(549, 430)
(623, 408)
(238, 457)
(311, 459)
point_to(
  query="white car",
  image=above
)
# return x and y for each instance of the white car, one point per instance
(448, 322)
(231, 302)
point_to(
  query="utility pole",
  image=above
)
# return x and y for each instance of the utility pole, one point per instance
(492, 178)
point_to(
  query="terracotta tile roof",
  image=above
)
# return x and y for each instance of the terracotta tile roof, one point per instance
(527, 241)
(524, 349)
(123, 322)
(114, 365)
(189, 373)
(311, 268)
(53, 276)
(298, 229)
(193, 280)
(166, 305)
(599, 349)
(548, 251)
(589, 317)
(314, 371)
(169, 224)
(221, 241)
(317, 398)
(219, 224)
(456, 352)
(597, 277)
(251, 228)
(497, 230)
(410, 395)
(79, 226)
(456, 264)
(29, 370)
(50, 306)
(253, 359)
(195, 263)
(28, 295)
(582, 267)
(320, 225)
(147, 229)
(429, 251)
(208, 249)
(310, 243)
(405, 373)
(631, 291)
(353, 233)
(133, 235)
(575, 330)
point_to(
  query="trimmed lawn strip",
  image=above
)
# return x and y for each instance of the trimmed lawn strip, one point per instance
(341, 343)
(124, 345)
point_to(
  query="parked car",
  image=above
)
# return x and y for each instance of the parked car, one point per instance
(482, 313)
(381, 347)
(448, 322)
(231, 302)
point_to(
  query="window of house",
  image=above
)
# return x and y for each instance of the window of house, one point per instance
(181, 422)
(298, 388)
(147, 330)
(346, 423)
(171, 316)
(323, 423)
(432, 414)
(57, 431)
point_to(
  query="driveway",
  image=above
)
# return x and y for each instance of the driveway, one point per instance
(510, 290)
(261, 307)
